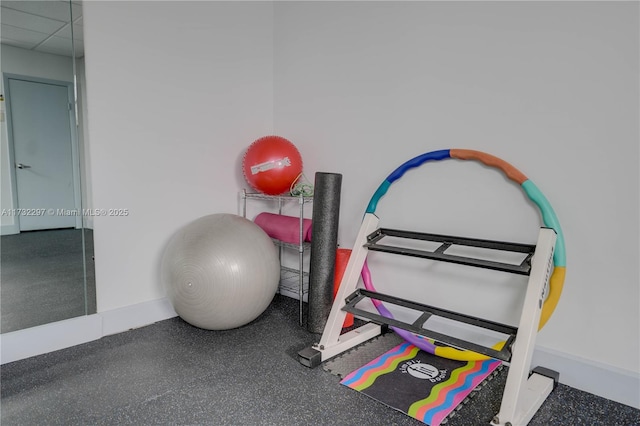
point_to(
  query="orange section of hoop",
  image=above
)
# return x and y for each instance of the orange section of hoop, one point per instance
(488, 159)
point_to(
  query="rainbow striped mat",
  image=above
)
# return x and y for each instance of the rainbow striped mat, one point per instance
(421, 385)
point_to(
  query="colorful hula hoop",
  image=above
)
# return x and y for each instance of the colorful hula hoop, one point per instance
(549, 218)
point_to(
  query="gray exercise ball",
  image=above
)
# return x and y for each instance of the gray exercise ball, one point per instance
(221, 271)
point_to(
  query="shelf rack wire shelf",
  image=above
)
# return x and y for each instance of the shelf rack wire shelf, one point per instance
(291, 280)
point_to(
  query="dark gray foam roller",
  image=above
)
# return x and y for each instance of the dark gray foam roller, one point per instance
(324, 243)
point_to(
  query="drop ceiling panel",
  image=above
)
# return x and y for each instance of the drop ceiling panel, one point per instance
(55, 45)
(42, 26)
(57, 10)
(16, 18)
(21, 36)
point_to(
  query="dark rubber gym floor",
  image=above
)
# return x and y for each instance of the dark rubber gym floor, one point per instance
(171, 373)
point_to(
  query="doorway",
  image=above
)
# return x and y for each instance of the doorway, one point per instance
(43, 152)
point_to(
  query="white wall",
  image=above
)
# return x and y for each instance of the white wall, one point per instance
(361, 87)
(175, 92)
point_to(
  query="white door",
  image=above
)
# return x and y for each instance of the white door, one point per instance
(41, 132)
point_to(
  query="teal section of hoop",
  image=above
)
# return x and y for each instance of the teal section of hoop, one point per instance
(373, 203)
(549, 218)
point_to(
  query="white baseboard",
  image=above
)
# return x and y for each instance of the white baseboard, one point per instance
(135, 316)
(604, 380)
(47, 338)
(9, 229)
(599, 379)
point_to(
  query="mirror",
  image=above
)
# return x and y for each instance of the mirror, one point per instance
(46, 243)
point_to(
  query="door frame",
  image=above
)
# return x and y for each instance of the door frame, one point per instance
(75, 157)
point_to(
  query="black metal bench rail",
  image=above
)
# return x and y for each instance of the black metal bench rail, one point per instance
(524, 268)
(427, 312)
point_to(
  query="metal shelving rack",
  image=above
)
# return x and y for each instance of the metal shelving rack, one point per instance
(291, 280)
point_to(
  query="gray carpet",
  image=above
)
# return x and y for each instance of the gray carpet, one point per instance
(42, 277)
(171, 373)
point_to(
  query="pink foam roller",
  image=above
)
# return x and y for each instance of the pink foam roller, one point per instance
(284, 228)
